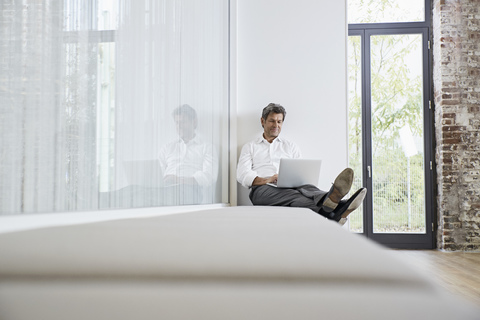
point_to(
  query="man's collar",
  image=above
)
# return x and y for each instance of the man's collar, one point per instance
(261, 139)
(195, 139)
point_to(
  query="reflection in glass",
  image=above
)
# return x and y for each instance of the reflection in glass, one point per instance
(164, 61)
(355, 123)
(189, 163)
(78, 104)
(378, 11)
(397, 134)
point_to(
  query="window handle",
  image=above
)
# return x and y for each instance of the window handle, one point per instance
(369, 169)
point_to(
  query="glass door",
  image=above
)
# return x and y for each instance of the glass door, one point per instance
(397, 170)
(355, 122)
(389, 125)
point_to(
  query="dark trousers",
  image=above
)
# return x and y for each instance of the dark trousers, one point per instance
(307, 196)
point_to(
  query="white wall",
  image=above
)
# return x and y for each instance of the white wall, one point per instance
(294, 53)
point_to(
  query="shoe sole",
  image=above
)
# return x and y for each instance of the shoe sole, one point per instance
(341, 186)
(355, 203)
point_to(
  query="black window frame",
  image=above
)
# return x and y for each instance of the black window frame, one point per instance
(365, 30)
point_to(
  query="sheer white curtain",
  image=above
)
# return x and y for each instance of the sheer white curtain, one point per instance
(89, 92)
(47, 111)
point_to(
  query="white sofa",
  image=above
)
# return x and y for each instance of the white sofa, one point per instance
(225, 263)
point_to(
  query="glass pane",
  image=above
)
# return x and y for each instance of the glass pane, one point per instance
(377, 11)
(106, 116)
(87, 124)
(90, 14)
(171, 98)
(355, 123)
(397, 134)
(107, 18)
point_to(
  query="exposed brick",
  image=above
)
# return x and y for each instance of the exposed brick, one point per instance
(456, 79)
(448, 239)
(453, 247)
(447, 160)
(452, 140)
(472, 247)
(452, 136)
(450, 219)
(453, 128)
(449, 180)
(452, 225)
(451, 102)
(449, 115)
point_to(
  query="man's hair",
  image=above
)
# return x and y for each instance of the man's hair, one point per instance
(275, 108)
(185, 110)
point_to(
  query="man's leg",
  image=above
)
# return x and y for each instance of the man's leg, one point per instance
(309, 196)
(271, 196)
(312, 192)
(328, 201)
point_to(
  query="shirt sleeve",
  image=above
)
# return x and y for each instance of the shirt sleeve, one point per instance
(162, 159)
(245, 174)
(209, 172)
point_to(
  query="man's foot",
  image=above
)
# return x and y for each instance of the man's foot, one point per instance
(346, 207)
(341, 186)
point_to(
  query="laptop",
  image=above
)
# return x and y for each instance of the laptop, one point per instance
(294, 173)
(145, 173)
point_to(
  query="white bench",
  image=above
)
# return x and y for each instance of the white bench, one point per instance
(225, 263)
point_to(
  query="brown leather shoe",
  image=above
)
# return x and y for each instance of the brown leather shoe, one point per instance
(341, 186)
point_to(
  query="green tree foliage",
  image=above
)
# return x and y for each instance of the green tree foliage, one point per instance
(396, 102)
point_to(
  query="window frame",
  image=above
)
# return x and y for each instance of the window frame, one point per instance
(365, 30)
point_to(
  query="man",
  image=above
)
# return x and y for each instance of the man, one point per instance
(190, 165)
(258, 165)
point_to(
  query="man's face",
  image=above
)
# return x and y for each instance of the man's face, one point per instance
(272, 126)
(185, 126)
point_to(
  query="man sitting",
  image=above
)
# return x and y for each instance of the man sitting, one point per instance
(258, 165)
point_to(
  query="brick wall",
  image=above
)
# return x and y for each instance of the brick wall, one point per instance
(456, 77)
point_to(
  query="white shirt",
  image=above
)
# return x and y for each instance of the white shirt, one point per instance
(195, 159)
(259, 158)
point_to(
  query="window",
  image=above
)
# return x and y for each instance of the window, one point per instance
(390, 120)
(109, 104)
(384, 11)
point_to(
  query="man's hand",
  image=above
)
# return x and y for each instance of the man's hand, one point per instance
(262, 181)
(170, 179)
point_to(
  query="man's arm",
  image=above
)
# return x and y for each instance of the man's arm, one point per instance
(209, 173)
(246, 176)
(261, 181)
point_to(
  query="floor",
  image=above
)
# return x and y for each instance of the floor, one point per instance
(457, 272)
